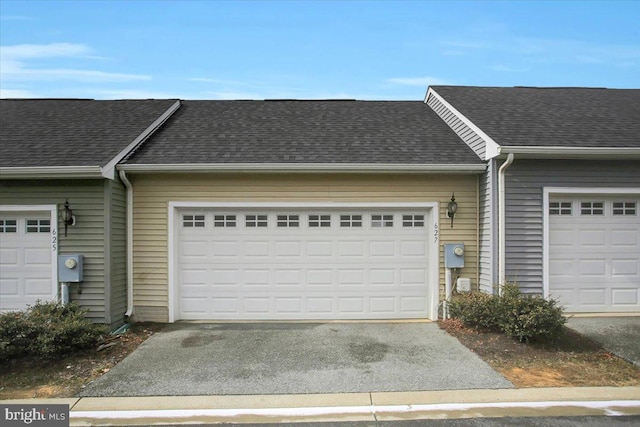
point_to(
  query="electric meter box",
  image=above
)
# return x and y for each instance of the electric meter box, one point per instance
(454, 255)
(70, 268)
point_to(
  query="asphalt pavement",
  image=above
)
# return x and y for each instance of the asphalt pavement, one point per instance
(620, 335)
(296, 358)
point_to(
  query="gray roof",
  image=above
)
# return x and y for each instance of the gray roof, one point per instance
(71, 132)
(558, 117)
(294, 131)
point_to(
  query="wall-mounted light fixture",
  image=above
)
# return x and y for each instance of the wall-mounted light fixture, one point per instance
(452, 207)
(68, 218)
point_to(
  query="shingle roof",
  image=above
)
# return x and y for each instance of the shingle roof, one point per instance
(290, 131)
(71, 132)
(559, 117)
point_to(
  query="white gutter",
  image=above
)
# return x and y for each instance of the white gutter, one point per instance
(127, 184)
(108, 171)
(50, 172)
(579, 152)
(304, 167)
(501, 222)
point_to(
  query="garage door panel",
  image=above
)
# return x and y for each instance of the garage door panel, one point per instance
(597, 269)
(625, 267)
(592, 238)
(629, 296)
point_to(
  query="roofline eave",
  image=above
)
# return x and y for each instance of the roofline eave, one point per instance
(305, 167)
(28, 172)
(593, 153)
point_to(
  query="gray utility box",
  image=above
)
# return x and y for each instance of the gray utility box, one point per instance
(70, 268)
(454, 255)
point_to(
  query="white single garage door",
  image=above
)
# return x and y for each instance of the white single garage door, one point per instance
(283, 264)
(25, 259)
(594, 252)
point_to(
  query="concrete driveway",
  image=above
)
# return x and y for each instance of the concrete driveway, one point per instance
(619, 335)
(296, 358)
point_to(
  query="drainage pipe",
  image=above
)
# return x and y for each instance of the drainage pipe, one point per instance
(501, 223)
(127, 184)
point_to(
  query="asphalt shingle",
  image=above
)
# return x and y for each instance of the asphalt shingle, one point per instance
(290, 131)
(71, 132)
(551, 117)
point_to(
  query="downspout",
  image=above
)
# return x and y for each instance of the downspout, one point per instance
(502, 223)
(127, 184)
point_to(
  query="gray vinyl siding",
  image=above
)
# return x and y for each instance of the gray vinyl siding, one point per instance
(86, 199)
(472, 139)
(118, 252)
(525, 181)
(487, 266)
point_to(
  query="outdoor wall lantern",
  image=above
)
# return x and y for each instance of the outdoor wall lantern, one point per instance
(68, 218)
(452, 207)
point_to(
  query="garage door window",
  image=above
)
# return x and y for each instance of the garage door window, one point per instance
(288, 220)
(38, 225)
(413, 220)
(256, 221)
(591, 208)
(560, 208)
(319, 221)
(8, 226)
(378, 221)
(350, 221)
(190, 221)
(624, 208)
(224, 221)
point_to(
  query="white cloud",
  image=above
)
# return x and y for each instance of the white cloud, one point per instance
(51, 50)
(18, 63)
(132, 94)
(419, 81)
(16, 93)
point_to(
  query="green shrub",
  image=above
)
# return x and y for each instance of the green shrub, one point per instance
(529, 317)
(47, 330)
(522, 317)
(476, 310)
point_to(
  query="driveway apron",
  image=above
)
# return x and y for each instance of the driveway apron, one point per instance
(619, 335)
(296, 358)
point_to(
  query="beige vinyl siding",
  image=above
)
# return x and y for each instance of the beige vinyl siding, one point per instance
(153, 192)
(471, 138)
(118, 251)
(86, 199)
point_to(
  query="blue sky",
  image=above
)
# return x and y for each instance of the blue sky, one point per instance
(310, 50)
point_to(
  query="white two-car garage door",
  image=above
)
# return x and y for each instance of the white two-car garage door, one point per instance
(309, 264)
(26, 258)
(594, 252)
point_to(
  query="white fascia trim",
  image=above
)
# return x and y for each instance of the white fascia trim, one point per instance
(305, 167)
(433, 261)
(108, 171)
(492, 148)
(547, 192)
(51, 172)
(547, 152)
(54, 242)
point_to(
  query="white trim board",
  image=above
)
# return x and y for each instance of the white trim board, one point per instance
(306, 167)
(546, 193)
(432, 208)
(55, 238)
(492, 148)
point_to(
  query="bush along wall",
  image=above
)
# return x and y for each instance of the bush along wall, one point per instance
(520, 316)
(47, 330)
